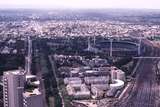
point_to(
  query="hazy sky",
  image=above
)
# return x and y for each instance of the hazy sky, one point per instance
(149, 4)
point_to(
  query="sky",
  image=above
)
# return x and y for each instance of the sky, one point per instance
(138, 4)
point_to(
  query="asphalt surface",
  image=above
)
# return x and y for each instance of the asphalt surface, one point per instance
(145, 92)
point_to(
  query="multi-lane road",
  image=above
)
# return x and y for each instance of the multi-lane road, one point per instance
(145, 92)
(29, 57)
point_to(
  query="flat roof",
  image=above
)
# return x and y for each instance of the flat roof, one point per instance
(32, 93)
(30, 76)
(117, 83)
(14, 72)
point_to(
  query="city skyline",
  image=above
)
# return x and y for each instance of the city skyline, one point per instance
(80, 4)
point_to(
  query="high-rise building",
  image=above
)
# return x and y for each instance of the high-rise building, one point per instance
(13, 88)
(33, 98)
(15, 94)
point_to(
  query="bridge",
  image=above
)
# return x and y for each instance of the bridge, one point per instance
(146, 57)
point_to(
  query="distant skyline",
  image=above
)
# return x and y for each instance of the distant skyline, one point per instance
(81, 4)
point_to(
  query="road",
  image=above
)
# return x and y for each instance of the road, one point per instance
(57, 81)
(29, 57)
(145, 90)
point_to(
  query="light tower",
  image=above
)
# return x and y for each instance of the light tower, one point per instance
(139, 46)
(94, 40)
(111, 48)
(89, 44)
(118, 36)
(111, 43)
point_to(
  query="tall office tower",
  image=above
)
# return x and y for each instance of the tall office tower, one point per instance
(13, 88)
(33, 98)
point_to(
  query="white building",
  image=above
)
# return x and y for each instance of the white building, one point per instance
(96, 80)
(78, 90)
(117, 74)
(116, 85)
(113, 74)
(121, 75)
(73, 80)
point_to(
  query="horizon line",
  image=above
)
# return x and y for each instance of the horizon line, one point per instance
(44, 8)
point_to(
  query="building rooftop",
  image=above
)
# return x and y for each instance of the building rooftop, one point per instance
(117, 83)
(30, 76)
(31, 93)
(15, 72)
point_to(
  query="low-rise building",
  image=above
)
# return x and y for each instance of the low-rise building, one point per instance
(78, 91)
(98, 90)
(72, 80)
(96, 80)
(116, 85)
(117, 74)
